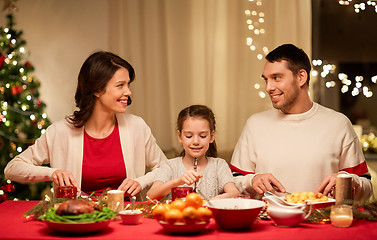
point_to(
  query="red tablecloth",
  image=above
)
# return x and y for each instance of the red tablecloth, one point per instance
(14, 226)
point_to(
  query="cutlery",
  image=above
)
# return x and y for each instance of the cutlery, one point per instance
(277, 199)
(209, 201)
(195, 168)
(133, 199)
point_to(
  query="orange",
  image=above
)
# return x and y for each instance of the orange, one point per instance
(159, 211)
(189, 215)
(203, 214)
(194, 200)
(173, 215)
(178, 204)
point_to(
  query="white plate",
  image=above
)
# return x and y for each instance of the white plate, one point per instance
(327, 203)
(78, 227)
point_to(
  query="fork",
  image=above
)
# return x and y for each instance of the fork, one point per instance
(195, 168)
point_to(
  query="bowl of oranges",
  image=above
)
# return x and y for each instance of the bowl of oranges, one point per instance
(186, 215)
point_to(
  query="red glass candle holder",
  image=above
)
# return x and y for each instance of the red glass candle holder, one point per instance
(66, 192)
(3, 197)
(180, 192)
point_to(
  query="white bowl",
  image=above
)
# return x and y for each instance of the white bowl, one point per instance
(130, 217)
(235, 214)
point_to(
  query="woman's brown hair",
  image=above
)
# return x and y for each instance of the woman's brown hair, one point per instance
(94, 75)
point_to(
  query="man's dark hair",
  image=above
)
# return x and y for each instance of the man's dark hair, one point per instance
(296, 57)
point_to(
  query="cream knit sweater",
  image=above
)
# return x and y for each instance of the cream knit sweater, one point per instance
(300, 150)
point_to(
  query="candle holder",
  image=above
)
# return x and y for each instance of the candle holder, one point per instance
(115, 200)
(341, 215)
(66, 192)
(180, 192)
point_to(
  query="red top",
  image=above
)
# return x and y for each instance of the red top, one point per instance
(103, 165)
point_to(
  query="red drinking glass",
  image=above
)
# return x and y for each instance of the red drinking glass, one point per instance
(180, 192)
(66, 192)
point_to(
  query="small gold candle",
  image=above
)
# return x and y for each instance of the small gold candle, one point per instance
(115, 200)
(341, 215)
(343, 188)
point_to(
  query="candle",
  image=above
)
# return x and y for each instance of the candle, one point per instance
(115, 200)
(341, 215)
(343, 188)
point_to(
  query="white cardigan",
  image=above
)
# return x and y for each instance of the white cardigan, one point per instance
(62, 147)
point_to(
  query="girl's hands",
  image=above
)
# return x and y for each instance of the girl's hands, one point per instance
(190, 177)
(64, 178)
(130, 187)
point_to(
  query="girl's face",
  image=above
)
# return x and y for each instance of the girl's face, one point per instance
(196, 137)
(114, 97)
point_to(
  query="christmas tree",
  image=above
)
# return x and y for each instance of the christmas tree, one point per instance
(22, 116)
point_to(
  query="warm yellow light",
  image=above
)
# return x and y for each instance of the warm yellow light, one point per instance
(262, 94)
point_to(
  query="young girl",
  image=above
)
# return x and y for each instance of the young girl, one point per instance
(198, 165)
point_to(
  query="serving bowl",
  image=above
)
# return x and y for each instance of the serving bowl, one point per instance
(235, 214)
(130, 217)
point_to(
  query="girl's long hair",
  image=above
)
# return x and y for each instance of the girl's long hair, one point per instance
(199, 111)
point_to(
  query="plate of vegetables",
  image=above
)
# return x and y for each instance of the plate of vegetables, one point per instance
(78, 216)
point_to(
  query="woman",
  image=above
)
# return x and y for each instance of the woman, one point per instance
(98, 146)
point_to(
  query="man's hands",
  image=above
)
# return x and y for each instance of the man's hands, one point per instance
(264, 182)
(64, 178)
(130, 187)
(328, 184)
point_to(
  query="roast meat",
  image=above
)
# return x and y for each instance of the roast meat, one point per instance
(76, 207)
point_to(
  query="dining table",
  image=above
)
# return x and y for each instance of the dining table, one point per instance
(14, 225)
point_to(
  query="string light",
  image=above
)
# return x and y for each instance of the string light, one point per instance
(255, 21)
(262, 94)
(343, 78)
(360, 5)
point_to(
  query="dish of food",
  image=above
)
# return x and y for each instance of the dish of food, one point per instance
(317, 200)
(301, 197)
(85, 227)
(78, 216)
(183, 228)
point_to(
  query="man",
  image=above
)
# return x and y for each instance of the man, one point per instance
(299, 146)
